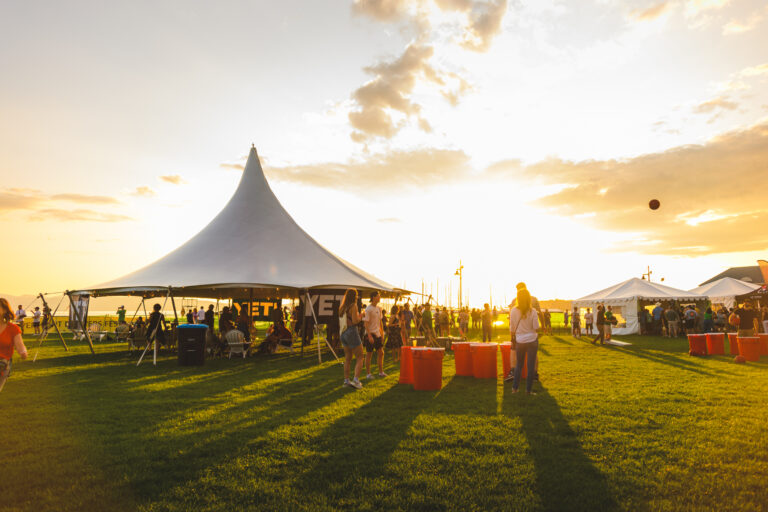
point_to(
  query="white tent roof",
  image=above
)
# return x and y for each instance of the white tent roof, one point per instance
(725, 287)
(637, 289)
(252, 243)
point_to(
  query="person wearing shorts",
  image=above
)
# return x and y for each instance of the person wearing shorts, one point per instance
(576, 323)
(588, 317)
(374, 332)
(36, 319)
(406, 316)
(350, 338)
(10, 339)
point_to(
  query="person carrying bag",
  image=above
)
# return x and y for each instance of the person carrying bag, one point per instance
(525, 339)
(350, 319)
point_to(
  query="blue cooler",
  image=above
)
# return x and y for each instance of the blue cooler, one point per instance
(191, 344)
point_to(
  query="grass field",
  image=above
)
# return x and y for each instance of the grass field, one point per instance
(644, 427)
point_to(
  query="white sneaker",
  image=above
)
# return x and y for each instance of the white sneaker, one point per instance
(382, 374)
(369, 377)
(346, 382)
(356, 384)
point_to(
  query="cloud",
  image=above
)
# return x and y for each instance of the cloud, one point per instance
(740, 27)
(143, 192)
(76, 215)
(712, 195)
(174, 179)
(13, 200)
(84, 199)
(697, 7)
(395, 171)
(719, 103)
(753, 71)
(389, 220)
(383, 10)
(650, 13)
(484, 23)
(230, 166)
(390, 91)
(383, 105)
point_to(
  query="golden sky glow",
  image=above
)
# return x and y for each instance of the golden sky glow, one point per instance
(525, 138)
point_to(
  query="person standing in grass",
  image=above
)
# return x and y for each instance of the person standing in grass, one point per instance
(547, 322)
(588, 320)
(426, 325)
(610, 320)
(600, 325)
(673, 322)
(395, 332)
(20, 315)
(373, 337)
(487, 319)
(36, 315)
(350, 338)
(121, 315)
(201, 315)
(576, 322)
(10, 339)
(156, 326)
(406, 317)
(523, 324)
(463, 323)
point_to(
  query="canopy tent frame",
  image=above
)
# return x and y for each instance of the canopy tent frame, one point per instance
(44, 333)
(630, 294)
(80, 320)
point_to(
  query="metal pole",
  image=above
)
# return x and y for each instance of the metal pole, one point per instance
(81, 322)
(53, 321)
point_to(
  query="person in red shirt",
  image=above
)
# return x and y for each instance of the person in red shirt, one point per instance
(10, 338)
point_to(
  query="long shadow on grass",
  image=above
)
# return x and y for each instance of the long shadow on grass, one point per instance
(354, 450)
(160, 439)
(566, 479)
(669, 360)
(188, 456)
(562, 340)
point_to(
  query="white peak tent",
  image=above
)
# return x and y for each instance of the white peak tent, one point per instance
(724, 291)
(626, 297)
(252, 246)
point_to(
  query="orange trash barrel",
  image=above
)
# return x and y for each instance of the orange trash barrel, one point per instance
(484, 360)
(428, 368)
(506, 357)
(733, 343)
(462, 358)
(406, 365)
(716, 344)
(763, 344)
(749, 348)
(698, 343)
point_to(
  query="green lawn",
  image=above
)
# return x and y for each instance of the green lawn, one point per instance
(639, 428)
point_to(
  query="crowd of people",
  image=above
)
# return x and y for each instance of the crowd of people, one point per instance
(365, 331)
(673, 320)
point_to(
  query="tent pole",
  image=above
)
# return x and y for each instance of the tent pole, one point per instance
(53, 316)
(153, 336)
(317, 333)
(81, 322)
(250, 314)
(173, 303)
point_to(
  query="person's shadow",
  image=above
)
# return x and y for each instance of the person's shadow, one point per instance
(566, 479)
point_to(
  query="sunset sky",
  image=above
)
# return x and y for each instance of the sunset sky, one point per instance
(524, 137)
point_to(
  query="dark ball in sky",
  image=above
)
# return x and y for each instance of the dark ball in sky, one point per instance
(654, 204)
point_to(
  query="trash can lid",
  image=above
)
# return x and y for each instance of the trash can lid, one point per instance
(428, 353)
(192, 326)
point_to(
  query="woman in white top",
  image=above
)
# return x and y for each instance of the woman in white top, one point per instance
(523, 323)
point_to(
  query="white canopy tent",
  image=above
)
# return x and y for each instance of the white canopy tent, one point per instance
(626, 297)
(252, 247)
(724, 291)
